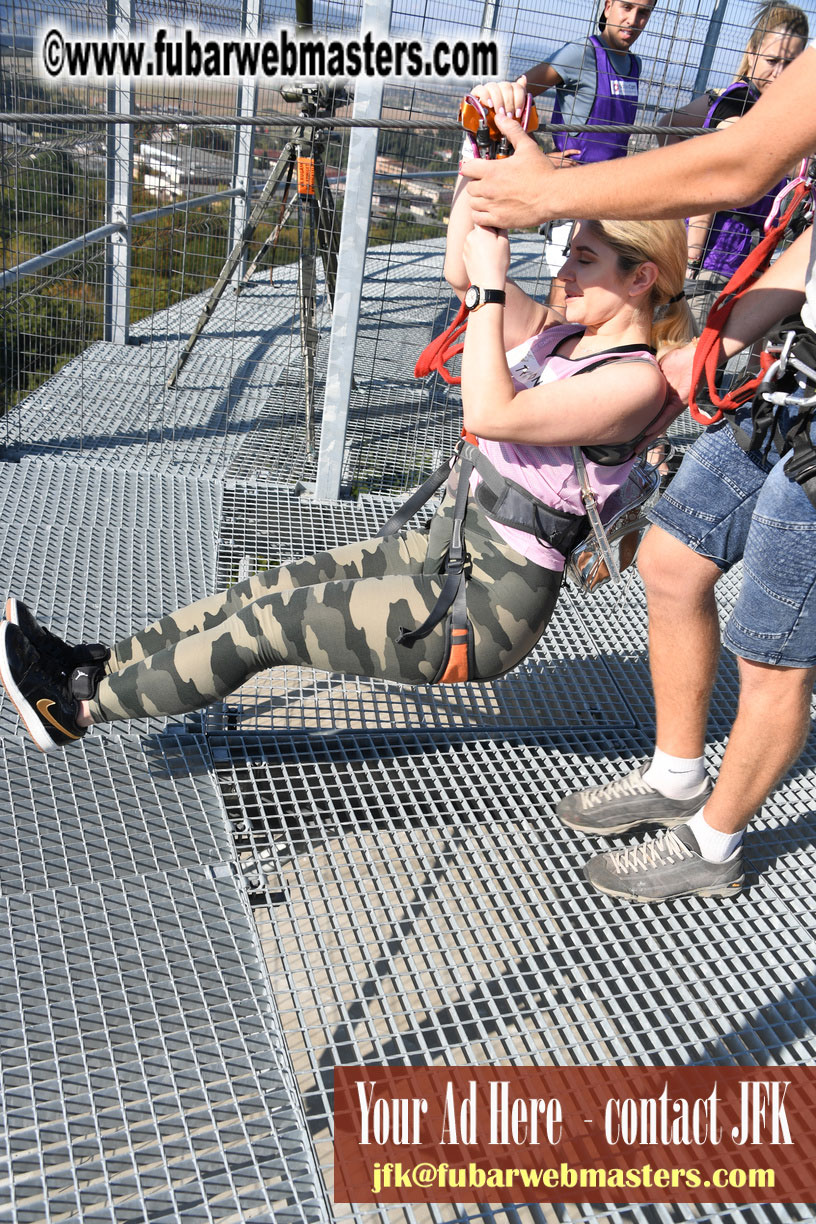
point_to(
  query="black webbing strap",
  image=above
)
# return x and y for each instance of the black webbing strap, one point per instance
(801, 466)
(799, 362)
(453, 589)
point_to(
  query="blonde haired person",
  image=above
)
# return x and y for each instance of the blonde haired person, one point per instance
(719, 241)
(778, 28)
(591, 380)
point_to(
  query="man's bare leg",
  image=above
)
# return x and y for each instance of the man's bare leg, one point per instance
(769, 734)
(684, 639)
(684, 644)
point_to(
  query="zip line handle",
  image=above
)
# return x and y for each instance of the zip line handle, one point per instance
(479, 122)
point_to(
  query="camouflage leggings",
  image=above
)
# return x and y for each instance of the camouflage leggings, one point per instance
(339, 611)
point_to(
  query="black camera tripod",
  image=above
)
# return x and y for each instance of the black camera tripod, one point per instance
(302, 157)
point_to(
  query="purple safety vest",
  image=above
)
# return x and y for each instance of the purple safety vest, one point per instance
(731, 235)
(616, 100)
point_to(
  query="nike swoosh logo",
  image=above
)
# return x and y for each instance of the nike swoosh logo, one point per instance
(44, 706)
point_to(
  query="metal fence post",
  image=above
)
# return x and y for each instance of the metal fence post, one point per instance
(119, 187)
(709, 47)
(362, 159)
(242, 156)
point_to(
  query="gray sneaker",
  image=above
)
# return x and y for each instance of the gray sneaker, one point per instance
(626, 804)
(666, 866)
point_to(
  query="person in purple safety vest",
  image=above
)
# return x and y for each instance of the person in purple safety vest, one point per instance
(718, 242)
(594, 82)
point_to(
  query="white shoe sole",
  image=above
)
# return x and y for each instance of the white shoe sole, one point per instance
(627, 826)
(716, 890)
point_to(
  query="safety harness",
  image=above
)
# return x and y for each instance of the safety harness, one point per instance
(504, 501)
(501, 498)
(511, 505)
(787, 366)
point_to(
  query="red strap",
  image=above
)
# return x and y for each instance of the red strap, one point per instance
(708, 346)
(457, 668)
(442, 349)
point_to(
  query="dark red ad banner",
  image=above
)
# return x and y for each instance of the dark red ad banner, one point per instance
(575, 1134)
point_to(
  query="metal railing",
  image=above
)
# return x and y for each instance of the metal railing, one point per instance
(243, 114)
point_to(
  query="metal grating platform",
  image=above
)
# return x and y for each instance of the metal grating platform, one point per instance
(133, 543)
(140, 1061)
(422, 905)
(114, 808)
(160, 1057)
(99, 553)
(142, 1070)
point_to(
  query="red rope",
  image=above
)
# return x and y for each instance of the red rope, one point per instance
(442, 349)
(707, 353)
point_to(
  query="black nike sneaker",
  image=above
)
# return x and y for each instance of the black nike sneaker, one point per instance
(64, 656)
(41, 692)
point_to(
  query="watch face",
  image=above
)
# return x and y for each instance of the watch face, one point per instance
(472, 297)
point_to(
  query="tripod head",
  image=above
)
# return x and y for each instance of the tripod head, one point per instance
(317, 100)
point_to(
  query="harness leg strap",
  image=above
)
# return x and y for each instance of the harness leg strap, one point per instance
(455, 581)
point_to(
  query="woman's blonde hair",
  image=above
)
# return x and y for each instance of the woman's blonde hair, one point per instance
(665, 244)
(772, 19)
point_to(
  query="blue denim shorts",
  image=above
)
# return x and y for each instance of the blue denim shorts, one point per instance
(726, 505)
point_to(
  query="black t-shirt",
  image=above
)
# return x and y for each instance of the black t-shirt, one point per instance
(735, 103)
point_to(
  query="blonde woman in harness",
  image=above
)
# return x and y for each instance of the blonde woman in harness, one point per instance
(490, 565)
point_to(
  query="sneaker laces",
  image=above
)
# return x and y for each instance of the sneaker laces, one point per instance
(658, 851)
(622, 788)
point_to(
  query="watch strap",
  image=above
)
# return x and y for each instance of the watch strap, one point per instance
(488, 297)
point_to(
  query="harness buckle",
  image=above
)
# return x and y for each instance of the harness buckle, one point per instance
(788, 363)
(784, 353)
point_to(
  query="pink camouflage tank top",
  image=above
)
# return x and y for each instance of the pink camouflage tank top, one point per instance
(548, 472)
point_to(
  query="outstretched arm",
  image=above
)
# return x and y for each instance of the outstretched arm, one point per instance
(523, 316)
(711, 172)
(778, 293)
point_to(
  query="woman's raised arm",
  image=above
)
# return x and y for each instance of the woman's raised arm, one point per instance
(523, 315)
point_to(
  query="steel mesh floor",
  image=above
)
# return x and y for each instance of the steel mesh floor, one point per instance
(142, 1070)
(114, 808)
(140, 1065)
(421, 904)
(100, 552)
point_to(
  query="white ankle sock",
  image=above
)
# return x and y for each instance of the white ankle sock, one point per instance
(676, 777)
(714, 846)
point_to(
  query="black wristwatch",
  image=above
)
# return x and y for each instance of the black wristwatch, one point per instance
(476, 297)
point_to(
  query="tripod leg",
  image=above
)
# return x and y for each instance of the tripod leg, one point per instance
(282, 165)
(307, 298)
(328, 238)
(272, 239)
